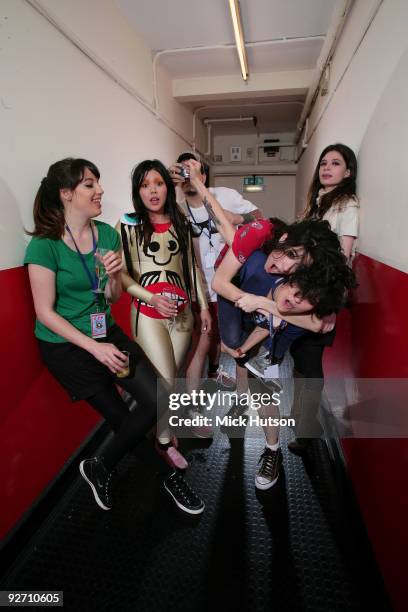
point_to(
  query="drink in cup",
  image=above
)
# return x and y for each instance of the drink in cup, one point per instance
(125, 371)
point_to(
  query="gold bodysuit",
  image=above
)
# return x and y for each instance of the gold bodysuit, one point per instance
(158, 270)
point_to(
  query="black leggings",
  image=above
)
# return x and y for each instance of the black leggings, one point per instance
(130, 427)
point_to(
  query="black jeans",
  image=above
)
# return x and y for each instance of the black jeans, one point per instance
(84, 377)
(130, 427)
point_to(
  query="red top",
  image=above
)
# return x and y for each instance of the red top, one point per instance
(248, 239)
(160, 228)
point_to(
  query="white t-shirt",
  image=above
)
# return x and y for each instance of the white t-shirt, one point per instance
(344, 220)
(208, 241)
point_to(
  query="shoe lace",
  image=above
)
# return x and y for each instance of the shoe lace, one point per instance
(269, 460)
(107, 485)
(182, 489)
(221, 375)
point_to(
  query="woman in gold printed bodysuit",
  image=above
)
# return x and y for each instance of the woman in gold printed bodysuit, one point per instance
(161, 275)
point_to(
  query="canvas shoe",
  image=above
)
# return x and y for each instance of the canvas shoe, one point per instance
(182, 494)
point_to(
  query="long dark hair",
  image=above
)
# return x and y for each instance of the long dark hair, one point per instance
(345, 191)
(144, 229)
(325, 284)
(49, 218)
(320, 243)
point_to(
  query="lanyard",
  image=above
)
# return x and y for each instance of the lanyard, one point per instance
(198, 225)
(92, 277)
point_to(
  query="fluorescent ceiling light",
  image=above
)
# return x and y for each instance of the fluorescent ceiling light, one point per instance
(254, 188)
(239, 37)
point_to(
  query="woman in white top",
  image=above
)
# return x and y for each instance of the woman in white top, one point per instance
(332, 194)
(332, 197)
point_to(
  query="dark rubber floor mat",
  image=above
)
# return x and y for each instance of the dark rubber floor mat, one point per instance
(276, 550)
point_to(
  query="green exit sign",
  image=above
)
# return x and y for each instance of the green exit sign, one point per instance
(253, 180)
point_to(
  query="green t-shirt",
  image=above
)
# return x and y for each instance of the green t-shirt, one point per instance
(74, 298)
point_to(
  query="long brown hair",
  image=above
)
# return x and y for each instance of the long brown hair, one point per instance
(343, 192)
(49, 218)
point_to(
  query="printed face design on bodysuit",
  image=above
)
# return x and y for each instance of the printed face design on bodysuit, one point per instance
(163, 253)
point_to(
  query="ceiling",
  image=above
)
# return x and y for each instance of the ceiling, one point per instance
(283, 38)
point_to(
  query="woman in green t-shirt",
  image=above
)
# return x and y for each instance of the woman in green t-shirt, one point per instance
(79, 342)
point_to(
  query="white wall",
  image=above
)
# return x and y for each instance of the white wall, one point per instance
(383, 179)
(56, 102)
(366, 109)
(277, 200)
(101, 27)
(222, 143)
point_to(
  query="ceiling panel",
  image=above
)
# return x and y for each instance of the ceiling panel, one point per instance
(288, 55)
(181, 23)
(271, 117)
(269, 19)
(289, 35)
(273, 57)
(191, 23)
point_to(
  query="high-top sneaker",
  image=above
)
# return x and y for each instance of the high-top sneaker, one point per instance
(268, 472)
(99, 479)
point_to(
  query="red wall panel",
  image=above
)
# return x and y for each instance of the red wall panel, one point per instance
(371, 342)
(40, 427)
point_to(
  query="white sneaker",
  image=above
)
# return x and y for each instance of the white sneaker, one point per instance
(223, 380)
(258, 364)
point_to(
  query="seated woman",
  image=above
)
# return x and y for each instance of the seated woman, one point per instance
(78, 339)
(161, 275)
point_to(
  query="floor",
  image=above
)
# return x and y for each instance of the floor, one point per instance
(288, 548)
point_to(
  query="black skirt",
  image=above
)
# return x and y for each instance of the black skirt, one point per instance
(78, 371)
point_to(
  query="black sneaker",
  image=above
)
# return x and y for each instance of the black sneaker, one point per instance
(268, 473)
(99, 479)
(182, 495)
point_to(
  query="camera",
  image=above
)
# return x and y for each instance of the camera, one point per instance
(184, 172)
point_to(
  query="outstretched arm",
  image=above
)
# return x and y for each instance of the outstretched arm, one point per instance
(255, 337)
(213, 207)
(250, 303)
(226, 271)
